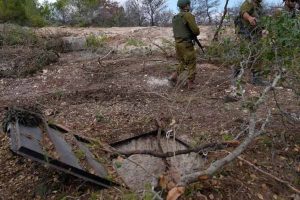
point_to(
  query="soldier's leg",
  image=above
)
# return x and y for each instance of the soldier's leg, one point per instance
(190, 62)
(180, 67)
(180, 52)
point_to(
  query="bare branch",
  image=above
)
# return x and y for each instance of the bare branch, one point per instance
(160, 48)
(252, 134)
(270, 175)
(215, 166)
(266, 90)
(102, 58)
(214, 146)
(221, 22)
(284, 113)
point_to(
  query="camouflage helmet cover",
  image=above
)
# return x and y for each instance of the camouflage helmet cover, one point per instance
(182, 3)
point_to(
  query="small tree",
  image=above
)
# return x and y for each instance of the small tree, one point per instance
(21, 12)
(164, 18)
(205, 9)
(62, 10)
(134, 13)
(153, 8)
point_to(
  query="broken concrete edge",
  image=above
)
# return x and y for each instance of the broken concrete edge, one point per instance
(151, 133)
(63, 129)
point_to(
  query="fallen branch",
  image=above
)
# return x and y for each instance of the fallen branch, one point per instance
(266, 90)
(289, 116)
(161, 48)
(161, 124)
(112, 50)
(202, 148)
(252, 134)
(102, 58)
(159, 95)
(215, 166)
(270, 175)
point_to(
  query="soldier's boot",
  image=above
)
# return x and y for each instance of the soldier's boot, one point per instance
(258, 80)
(191, 84)
(173, 78)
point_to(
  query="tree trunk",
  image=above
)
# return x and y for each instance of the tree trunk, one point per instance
(221, 22)
(152, 19)
(207, 12)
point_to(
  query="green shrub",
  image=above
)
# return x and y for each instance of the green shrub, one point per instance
(277, 51)
(25, 12)
(134, 42)
(95, 42)
(17, 35)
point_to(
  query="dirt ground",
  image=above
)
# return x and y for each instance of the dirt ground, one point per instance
(119, 91)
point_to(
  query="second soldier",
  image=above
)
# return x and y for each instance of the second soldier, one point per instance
(185, 29)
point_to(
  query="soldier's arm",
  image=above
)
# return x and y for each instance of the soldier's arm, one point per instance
(244, 12)
(249, 18)
(190, 19)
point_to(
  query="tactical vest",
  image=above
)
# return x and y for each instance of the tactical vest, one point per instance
(180, 28)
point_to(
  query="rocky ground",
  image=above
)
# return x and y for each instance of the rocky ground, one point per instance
(117, 88)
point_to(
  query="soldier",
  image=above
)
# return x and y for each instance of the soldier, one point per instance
(250, 12)
(291, 6)
(185, 29)
(248, 29)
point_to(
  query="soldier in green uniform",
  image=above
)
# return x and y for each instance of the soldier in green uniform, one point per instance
(250, 12)
(247, 29)
(292, 6)
(184, 29)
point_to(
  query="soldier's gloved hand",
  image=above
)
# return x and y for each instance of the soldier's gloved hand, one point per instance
(252, 21)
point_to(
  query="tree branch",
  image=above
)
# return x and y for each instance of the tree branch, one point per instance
(289, 116)
(215, 166)
(266, 90)
(252, 134)
(214, 146)
(270, 175)
(221, 22)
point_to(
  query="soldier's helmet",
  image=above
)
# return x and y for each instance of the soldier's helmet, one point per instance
(182, 3)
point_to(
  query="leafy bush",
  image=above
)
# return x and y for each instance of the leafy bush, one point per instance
(278, 50)
(95, 42)
(16, 35)
(24, 12)
(134, 42)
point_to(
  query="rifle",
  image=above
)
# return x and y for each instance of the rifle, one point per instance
(198, 42)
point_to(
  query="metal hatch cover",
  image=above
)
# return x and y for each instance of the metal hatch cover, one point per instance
(28, 142)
